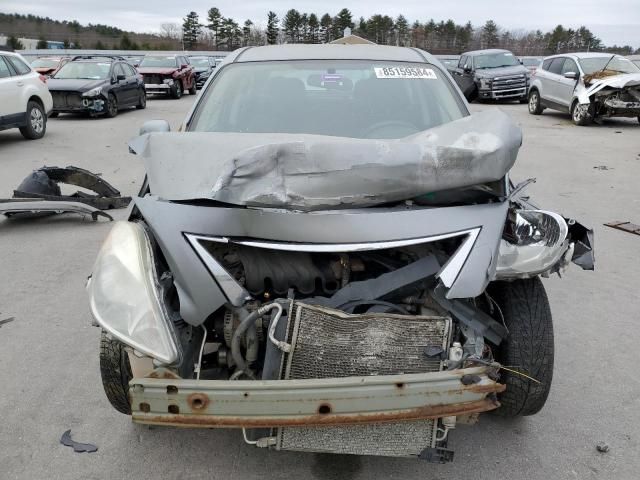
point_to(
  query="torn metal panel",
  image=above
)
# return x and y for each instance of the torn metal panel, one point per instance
(23, 205)
(43, 184)
(624, 226)
(313, 172)
(616, 81)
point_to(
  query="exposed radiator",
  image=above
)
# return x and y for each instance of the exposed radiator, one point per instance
(327, 343)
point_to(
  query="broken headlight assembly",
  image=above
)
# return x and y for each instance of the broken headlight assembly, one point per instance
(168, 81)
(534, 241)
(94, 92)
(125, 295)
(485, 83)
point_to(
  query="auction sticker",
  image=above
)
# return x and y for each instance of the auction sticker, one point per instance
(405, 72)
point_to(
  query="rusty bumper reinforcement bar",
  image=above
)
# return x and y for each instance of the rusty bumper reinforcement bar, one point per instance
(311, 402)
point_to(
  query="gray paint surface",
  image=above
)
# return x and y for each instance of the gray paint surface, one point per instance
(314, 172)
(51, 378)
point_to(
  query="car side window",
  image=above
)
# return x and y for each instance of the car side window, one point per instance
(546, 63)
(118, 70)
(20, 67)
(129, 70)
(463, 60)
(556, 65)
(569, 66)
(4, 68)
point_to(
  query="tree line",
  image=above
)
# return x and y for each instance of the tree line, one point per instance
(224, 33)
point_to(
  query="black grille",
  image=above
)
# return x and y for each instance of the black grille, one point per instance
(66, 99)
(153, 79)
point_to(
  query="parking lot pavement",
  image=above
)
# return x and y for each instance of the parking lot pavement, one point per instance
(49, 374)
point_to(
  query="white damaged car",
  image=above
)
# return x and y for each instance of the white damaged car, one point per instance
(589, 86)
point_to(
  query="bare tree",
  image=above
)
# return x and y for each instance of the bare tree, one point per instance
(171, 30)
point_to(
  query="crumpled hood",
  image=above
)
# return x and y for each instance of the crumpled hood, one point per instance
(157, 71)
(314, 172)
(501, 72)
(625, 80)
(74, 85)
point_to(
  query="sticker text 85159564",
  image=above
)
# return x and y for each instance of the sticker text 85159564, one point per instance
(405, 72)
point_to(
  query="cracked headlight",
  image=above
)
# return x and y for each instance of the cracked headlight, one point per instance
(125, 297)
(537, 240)
(485, 83)
(168, 81)
(94, 92)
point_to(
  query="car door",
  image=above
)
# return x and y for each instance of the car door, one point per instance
(566, 86)
(121, 90)
(464, 75)
(10, 98)
(131, 83)
(553, 84)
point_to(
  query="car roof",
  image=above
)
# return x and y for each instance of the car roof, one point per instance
(330, 52)
(583, 55)
(488, 51)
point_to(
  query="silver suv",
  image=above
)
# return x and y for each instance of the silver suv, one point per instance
(587, 85)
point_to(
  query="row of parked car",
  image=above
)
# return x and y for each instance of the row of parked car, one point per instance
(588, 86)
(92, 84)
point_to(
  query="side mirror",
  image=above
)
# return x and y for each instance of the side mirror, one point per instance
(572, 75)
(120, 78)
(467, 69)
(155, 126)
(184, 65)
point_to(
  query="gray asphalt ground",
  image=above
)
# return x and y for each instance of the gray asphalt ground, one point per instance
(50, 381)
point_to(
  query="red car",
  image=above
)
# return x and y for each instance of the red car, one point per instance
(48, 65)
(171, 75)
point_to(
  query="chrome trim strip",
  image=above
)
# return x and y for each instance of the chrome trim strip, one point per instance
(451, 269)
(236, 294)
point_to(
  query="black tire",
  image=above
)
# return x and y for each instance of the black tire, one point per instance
(638, 119)
(581, 119)
(528, 347)
(112, 106)
(116, 373)
(54, 114)
(36, 125)
(142, 100)
(535, 105)
(176, 90)
(193, 90)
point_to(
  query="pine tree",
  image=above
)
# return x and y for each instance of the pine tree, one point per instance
(272, 28)
(490, 37)
(14, 43)
(326, 24)
(246, 32)
(214, 17)
(314, 28)
(291, 25)
(402, 30)
(343, 20)
(191, 29)
(42, 43)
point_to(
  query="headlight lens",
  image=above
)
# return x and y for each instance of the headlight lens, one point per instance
(538, 241)
(94, 92)
(485, 83)
(124, 296)
(168, 81)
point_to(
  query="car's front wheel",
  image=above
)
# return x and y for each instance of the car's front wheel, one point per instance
(193, 90)
(582, 115)
(142, 99)
(528, 348)
(176, 90)
(112, 106)
(535, 105)
(115, 371)
(36, 122)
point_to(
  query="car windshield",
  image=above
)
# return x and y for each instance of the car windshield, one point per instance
(615, 63)
(86, 70)
(45, 63)
(343, 98)
(157, 61)
(531, 62)
(202, 62)
(495, 60)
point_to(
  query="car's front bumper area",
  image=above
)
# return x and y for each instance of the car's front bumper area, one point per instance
(512, 93)
(163, 399)
(65, 102)
(157, 87)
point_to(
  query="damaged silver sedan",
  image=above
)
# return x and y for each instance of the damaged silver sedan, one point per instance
(330, 256)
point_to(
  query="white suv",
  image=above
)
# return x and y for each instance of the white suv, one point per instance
(25, 100)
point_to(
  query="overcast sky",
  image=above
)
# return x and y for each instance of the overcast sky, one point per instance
(614, 21)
